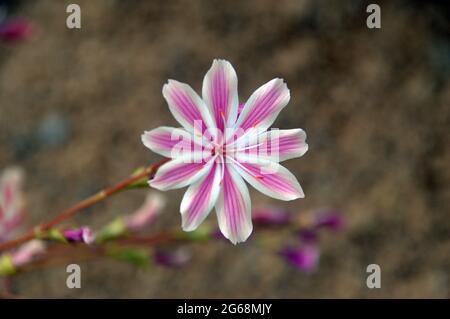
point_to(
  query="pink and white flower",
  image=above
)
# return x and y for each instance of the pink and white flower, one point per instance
(220, 145)
(12, 204)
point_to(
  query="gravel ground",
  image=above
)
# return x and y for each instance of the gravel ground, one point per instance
(374, 103)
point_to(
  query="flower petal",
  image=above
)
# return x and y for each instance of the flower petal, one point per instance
(220, 93)
(263, 106)
(233, 207)
(173, 142)
(179, 173)
(270, 178)
(275, 145)
(187, 107)
(200, 198)
(12, 203)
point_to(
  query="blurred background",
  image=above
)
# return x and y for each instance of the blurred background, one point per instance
(375, 104)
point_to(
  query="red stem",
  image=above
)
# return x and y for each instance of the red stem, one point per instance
(88, 202)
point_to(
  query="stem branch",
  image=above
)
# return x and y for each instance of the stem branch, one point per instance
(77, 208)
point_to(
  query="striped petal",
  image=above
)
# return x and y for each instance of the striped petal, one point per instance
(233, 207)
(187, 107)
(270, 178)
(178, 173)
(173, 142)
(274, 145)
(263, 106)
(12, 203)
(220, 93)
(200, 198)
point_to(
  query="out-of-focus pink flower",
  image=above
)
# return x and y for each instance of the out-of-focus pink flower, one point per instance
(331, 220)
(220, 149)
(83, 234)
(15, 30)
(172, 258)
(309, 235)
(305, 258)
(271, 217)
(146, 214)
(12, 204)
(322, 220)
(28, 252)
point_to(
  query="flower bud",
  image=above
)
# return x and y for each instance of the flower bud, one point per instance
(304, 258)
(83, 234)
(147, 213)
(271, 217)
(173, 258)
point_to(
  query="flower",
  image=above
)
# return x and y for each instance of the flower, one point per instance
(271, 217)
(305, 258)
(15, 30)
(309, 235)
(12, 204)
(141, 218)
(330, 220)
(216, 150)
(83, 234)
(146, 214)
(174, 258)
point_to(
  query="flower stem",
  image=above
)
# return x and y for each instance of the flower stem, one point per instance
(88, 202)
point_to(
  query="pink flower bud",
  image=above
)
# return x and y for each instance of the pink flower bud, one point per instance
(175, 258)
(330, 220)
(148, 212)
(83, 234)
(28, 252)
(271, 217)
(304, 258)
(12, 203)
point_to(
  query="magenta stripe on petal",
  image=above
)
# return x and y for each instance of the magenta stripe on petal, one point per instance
(263, 106)
(200, 199)
(220, 93)
(281, 145)
(172, 142)
(220, 98)
(269, 177)
(234, 207)
(178, 174)
(187, 107)
(275, 182)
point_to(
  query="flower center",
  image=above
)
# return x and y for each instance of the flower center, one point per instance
(219, 149)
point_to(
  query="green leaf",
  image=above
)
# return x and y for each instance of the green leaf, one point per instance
(7, 267)
(113, 230)
(142, 183)
(203, 232)
(55, 235)
(136, 256)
